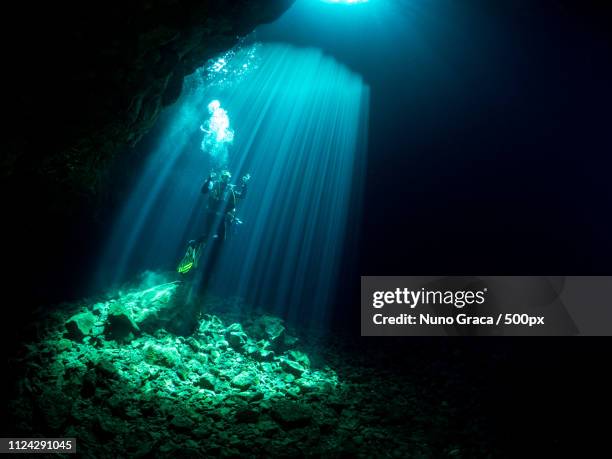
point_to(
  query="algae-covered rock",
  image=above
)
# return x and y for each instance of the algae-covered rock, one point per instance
(268, 327)
(291, 414)
(161, 355)
(251, 396)
(244, 380)
(105, 369)
(247, 414)
(210, 325)
(299, 357)
(264, 355)
(64, 344)
(207, 381)
(80, 325)
(259, 350)
(182, 422)
(163, 306)
(203, 431)
(120, 325)
(236, 336)
(306, 385)
(292, 367)
(294, 363)
(193, 344)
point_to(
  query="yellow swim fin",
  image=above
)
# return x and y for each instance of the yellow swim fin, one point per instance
(187, 262)
(190, 260)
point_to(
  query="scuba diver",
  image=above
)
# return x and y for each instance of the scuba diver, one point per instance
(220, 215)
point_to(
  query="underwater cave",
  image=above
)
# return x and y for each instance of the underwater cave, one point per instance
(193, 190)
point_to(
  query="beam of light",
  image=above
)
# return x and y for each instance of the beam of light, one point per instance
(300, 124)
(152, 222)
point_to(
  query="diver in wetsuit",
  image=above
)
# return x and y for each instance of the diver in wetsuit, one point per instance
(220, 215)
(222, 201)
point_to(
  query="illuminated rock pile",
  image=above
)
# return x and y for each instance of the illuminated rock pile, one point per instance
(106, 374)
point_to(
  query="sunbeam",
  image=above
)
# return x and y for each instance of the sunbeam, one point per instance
(298, 127)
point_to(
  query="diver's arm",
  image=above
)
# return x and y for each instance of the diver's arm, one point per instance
(243, 191)
(208, 184)
(243, 188)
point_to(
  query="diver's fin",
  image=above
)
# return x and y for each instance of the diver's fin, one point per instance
(187, 262)
(191, 258)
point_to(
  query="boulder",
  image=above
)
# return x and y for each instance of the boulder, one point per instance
(64, 344)
(291, 414)
(269, 328)
(80, 325)
(307, 385)
(207, 381)
(162, 356)
(292, 367)
(259, 350)
(247, 414)
(120, 325)
(244, 380)
(300, 358)
(105, 370)
(181, 422)
(251, 396)
(264, 355)
(193, 344)
(236, 336)
(162, 306)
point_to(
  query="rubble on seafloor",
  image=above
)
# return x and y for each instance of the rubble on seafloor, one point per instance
(110, 375)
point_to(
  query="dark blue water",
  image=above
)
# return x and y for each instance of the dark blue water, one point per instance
(489, 133)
